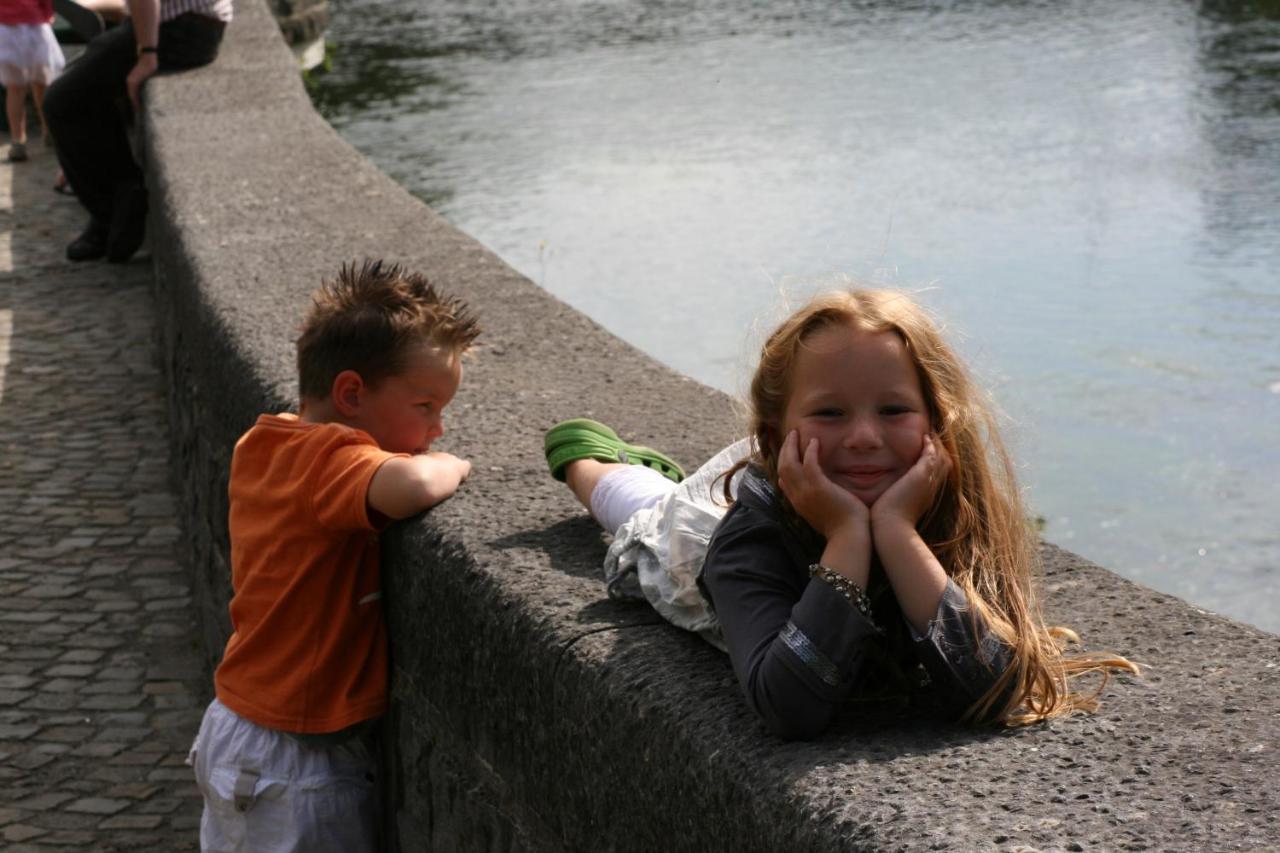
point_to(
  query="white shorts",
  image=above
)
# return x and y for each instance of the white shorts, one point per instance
(266, 792)
(661, 530)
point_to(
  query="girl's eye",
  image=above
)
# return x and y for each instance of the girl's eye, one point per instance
(828, 413)
(892, 411)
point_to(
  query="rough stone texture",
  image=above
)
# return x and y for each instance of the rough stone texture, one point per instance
(95, 688)
(530, 712)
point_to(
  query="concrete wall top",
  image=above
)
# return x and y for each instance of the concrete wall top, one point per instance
(589, 723)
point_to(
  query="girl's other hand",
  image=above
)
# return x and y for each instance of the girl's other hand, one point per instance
(828, 508)
(909, 498)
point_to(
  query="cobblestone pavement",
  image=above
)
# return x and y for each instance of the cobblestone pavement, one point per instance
(101, 683)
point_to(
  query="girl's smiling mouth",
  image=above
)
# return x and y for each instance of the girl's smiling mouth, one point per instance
(862, 475)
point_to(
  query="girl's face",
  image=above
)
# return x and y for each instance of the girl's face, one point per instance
(858, 394)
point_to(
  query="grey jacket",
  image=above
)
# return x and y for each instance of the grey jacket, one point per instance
(799, 649)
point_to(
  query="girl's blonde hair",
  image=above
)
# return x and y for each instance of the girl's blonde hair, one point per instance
(977, 526)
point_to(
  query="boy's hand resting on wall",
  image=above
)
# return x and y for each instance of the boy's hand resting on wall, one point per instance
(405, 486)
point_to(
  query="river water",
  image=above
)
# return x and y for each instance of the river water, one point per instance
(1088, 191)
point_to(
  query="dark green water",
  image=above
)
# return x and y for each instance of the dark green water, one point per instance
(1088, 192)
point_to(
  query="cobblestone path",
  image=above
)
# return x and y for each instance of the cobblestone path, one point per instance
(101, 683)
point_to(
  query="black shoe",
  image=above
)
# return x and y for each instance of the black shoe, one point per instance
(128, 223)
(90, 245)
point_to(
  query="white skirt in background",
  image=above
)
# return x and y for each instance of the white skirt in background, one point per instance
(29, 54)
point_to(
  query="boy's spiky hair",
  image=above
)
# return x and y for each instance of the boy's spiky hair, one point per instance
(369, 318)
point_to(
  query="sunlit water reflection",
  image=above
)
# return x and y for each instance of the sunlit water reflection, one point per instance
(1088, 192)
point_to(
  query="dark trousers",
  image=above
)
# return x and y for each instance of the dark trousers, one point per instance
(87, 108)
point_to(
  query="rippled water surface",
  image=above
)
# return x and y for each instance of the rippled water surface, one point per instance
(1088, 192)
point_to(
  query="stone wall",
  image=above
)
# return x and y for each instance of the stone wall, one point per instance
(529, 712)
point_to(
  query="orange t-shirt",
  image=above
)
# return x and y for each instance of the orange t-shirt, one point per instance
(308, 652)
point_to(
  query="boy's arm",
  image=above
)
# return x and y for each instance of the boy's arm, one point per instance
(405, 486)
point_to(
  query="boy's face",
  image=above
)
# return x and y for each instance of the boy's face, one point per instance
(405, 412)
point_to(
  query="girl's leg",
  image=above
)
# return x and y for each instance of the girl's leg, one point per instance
(608, 476)
(582, 476)
(628, 488)
(37, 95)
(614, 492)
(15, 105)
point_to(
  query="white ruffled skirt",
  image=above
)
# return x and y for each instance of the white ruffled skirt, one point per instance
(29, 54)
(661, 536)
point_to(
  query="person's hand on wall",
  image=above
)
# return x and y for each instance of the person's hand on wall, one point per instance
(146, 35)
(143, 69)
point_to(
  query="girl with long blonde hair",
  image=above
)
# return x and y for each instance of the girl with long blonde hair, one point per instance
(875, 540)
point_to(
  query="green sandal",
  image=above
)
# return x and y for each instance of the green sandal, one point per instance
(582, 438)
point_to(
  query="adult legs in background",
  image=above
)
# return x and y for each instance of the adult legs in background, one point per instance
(87, 112)
(89, 132)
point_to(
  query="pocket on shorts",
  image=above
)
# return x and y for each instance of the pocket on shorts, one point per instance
(336, 812)
(260, 820)
(223, 782)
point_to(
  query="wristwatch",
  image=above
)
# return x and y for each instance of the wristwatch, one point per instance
(147, 48)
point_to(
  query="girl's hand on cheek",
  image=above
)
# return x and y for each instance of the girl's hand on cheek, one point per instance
(909, 498)
(827, 507)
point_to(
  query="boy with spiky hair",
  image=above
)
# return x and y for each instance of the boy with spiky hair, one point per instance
(282, 757)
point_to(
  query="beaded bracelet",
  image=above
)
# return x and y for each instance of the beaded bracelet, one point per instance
(841, 584)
